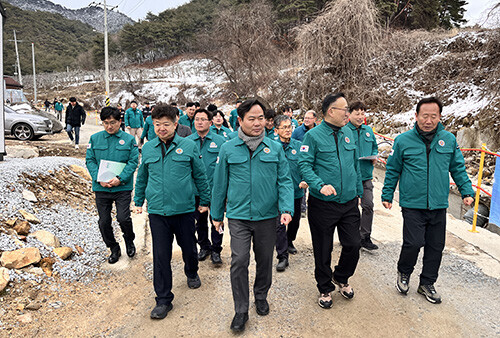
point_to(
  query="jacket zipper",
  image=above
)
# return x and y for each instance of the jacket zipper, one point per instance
(340, 162)
(428, 153)
(250, 182)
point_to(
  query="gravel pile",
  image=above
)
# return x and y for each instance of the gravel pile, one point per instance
(71, 226)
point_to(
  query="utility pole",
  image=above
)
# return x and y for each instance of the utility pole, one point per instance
(34, 72)
(106, 56)
(106, 45)
(18, 63)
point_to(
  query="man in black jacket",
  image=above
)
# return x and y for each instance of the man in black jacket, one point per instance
(75, 118)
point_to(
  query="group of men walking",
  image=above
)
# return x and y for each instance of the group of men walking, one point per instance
(256, 179)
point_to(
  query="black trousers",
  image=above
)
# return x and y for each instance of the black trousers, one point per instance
(104, 202)
(323, 218)
(263, 235)
(163, 229)
(423, 228)
(286, 235)
(202, 231)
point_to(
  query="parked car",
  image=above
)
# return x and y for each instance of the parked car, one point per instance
(25, 126)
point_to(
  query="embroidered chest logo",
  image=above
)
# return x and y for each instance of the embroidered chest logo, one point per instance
(267, 150)
(213, 145)
(347, 140)
(367, 134)
(179, 151)
(122, 142)
(304, 149)
(294, 151)
(225, 134)
(441, 143)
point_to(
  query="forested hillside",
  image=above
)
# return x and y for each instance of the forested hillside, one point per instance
(58, 41)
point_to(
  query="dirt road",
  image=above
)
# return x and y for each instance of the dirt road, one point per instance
(118, 303)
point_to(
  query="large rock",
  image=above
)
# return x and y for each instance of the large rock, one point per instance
(80, 171)
(22, 227)
(29, 196)
(46, 238)
(18, 259)
(4, 278)
(21, 151)
(29, 217)
(63, 252)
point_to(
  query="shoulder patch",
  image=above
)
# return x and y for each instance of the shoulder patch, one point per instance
(304, 149)
(88, 146)
(392, 152)
(367, 134)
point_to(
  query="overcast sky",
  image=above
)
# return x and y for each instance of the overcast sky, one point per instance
(137, 9)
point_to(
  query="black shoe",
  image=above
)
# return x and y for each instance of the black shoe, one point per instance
(262, 307)
(215, 256)
(203, 254)
(238, 323)
(325, 300)
(291, 249)
(115, 255)
(282, 264)
(161, 311)
(130, 248)
(367, 244)
(194, 283)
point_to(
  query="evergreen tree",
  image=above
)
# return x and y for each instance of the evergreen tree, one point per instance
(451, 13)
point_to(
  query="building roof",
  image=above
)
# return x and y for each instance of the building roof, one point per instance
(10, 83)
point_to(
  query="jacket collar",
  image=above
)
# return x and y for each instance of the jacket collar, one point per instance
(207, 137)
(117, 134)
(156, 142)
(325, 129)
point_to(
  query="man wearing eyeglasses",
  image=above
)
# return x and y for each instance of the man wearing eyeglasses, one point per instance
(328, 162)
(113, 144)
(209, 144)
(310, 121)
(285, 237)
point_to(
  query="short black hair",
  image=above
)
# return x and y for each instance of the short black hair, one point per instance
(270, 114)
(173, 104)
(210, 116)
(358, 105)
(197, 104)
(246, 105)
(239, 101)
(329, 99)
(133, 101)
(286, 108)
(212, 107)
(431, 99)
(72, 99)
(108, 112)
(190, 104)
(165, 111)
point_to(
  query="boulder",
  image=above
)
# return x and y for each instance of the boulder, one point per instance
(80, 171)
(63, 252)
(22, 151)
(22, 227)
(20, 258)
(4, 278)
(29, 217)
(46, 238)
(29, 196)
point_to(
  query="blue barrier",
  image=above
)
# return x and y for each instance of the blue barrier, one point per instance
(495, 197)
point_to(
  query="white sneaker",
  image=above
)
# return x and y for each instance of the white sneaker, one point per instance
(76, 146)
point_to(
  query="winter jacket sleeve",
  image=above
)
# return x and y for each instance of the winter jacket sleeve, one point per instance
(459, 174)
(393, 171)
(219, 192)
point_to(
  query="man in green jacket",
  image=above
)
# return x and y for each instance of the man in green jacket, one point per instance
(367, 147)
(422, 160)
(188, 119)
(209, 144)
(134, 121)
(285, 237)
(113, 144)
(252, 175)
(233, 117)
(328, 162)
(170, 171)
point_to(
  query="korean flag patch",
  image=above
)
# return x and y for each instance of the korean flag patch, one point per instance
(392, 152)
(304, 149)
(88, 146)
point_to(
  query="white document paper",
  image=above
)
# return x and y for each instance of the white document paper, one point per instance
(372, 157)
(108, 170)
